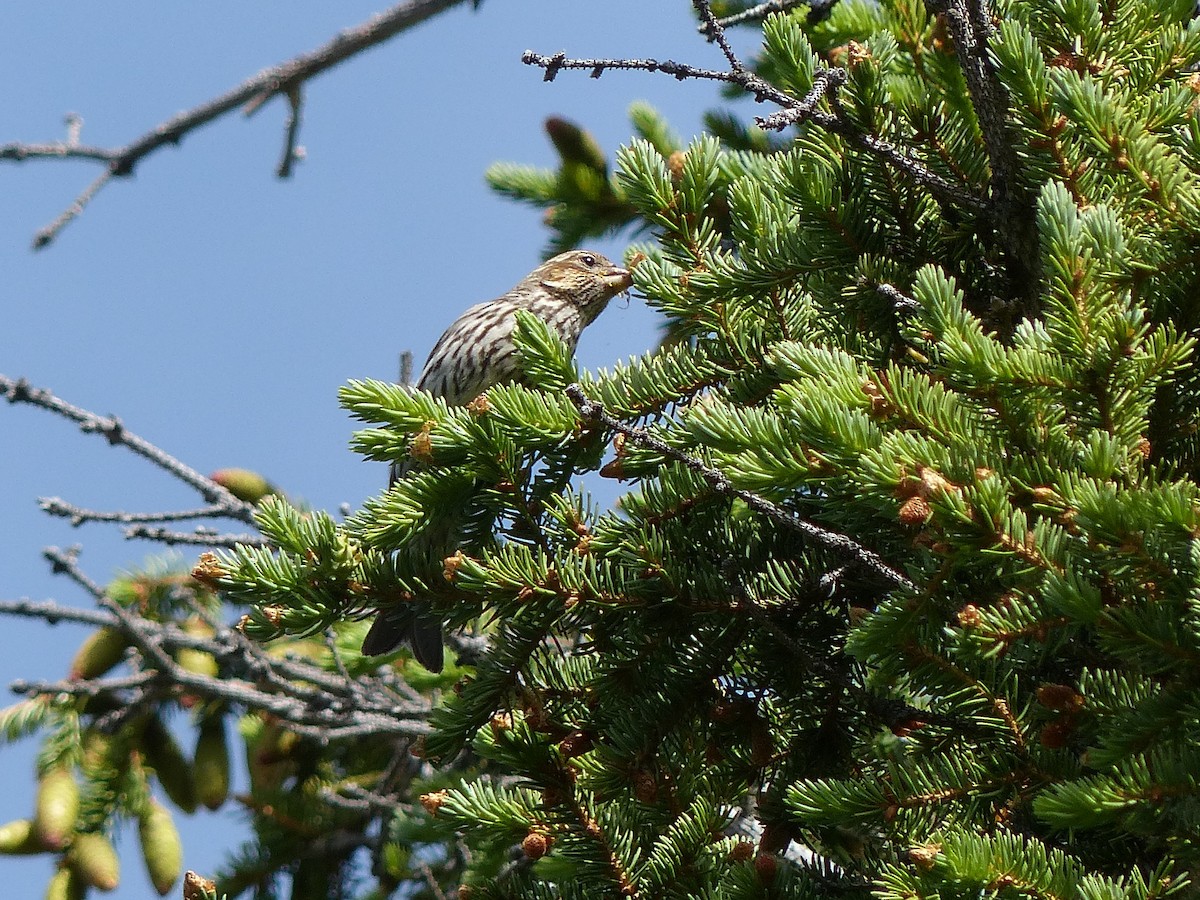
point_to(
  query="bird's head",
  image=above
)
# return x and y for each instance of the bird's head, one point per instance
(585, 278)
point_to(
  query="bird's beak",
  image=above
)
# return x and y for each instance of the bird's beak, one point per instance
(618, 279)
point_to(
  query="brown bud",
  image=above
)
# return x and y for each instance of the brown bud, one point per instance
(645, 788)
(195, 887)
(451, 565)
(1056, 734)
(500, 723)
(914, 511)
(923, 857)
(208, 569)
(1060, 697)
(741, 851)
(765, 867)
(906, 727)
(421, 448)
(536, 844)
(675, 163)
(969, 617)
(575, 744)
(433, 801)
(934, 483)
(465, 892)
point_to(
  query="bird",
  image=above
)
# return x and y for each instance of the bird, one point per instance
(567, 292)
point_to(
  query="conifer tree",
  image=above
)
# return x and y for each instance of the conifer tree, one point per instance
(899, 598)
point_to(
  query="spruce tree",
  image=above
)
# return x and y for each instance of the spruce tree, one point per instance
(899, 596)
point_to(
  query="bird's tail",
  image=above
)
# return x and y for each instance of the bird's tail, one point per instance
(422, 633)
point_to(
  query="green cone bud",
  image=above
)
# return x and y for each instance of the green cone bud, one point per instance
(173, 770)
(95, 861)
(65, 885)
(18, 838)
(56, 808)
(244, 484)
(575, 144)
(211, 765)
(161, 848)
(103, 649)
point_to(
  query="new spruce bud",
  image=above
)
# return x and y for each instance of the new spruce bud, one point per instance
(161, 848)
(103, 649)
(210, 767)
(247, 486)
(172, 768)
(65, 885)
(95, 861)
(18, 838)
(56, 807)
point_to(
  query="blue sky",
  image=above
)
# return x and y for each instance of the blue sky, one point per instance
(216, 309)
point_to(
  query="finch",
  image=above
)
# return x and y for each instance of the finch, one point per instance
(477, 351)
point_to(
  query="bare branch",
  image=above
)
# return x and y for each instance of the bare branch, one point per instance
(817, 10)
(53, 613)
(285, 78)
(20, 391)
(713, 30)
(315, 702)
(1009, 209)
(291, 152)
(56, 506)
(201, 537)
(720, 483)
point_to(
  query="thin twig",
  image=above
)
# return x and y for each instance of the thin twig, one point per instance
(720, 483)
(56, 506)
(251, 93)
(817, 10)
(714, 31)
(198, 538)
(21, 391)
(53, 613)
(291, 152)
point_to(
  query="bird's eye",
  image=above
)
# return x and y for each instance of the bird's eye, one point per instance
(588, 260)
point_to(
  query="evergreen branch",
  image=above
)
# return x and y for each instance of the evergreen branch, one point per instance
(283, 79)
(720, 483)
(21, 391)
(795, 111)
